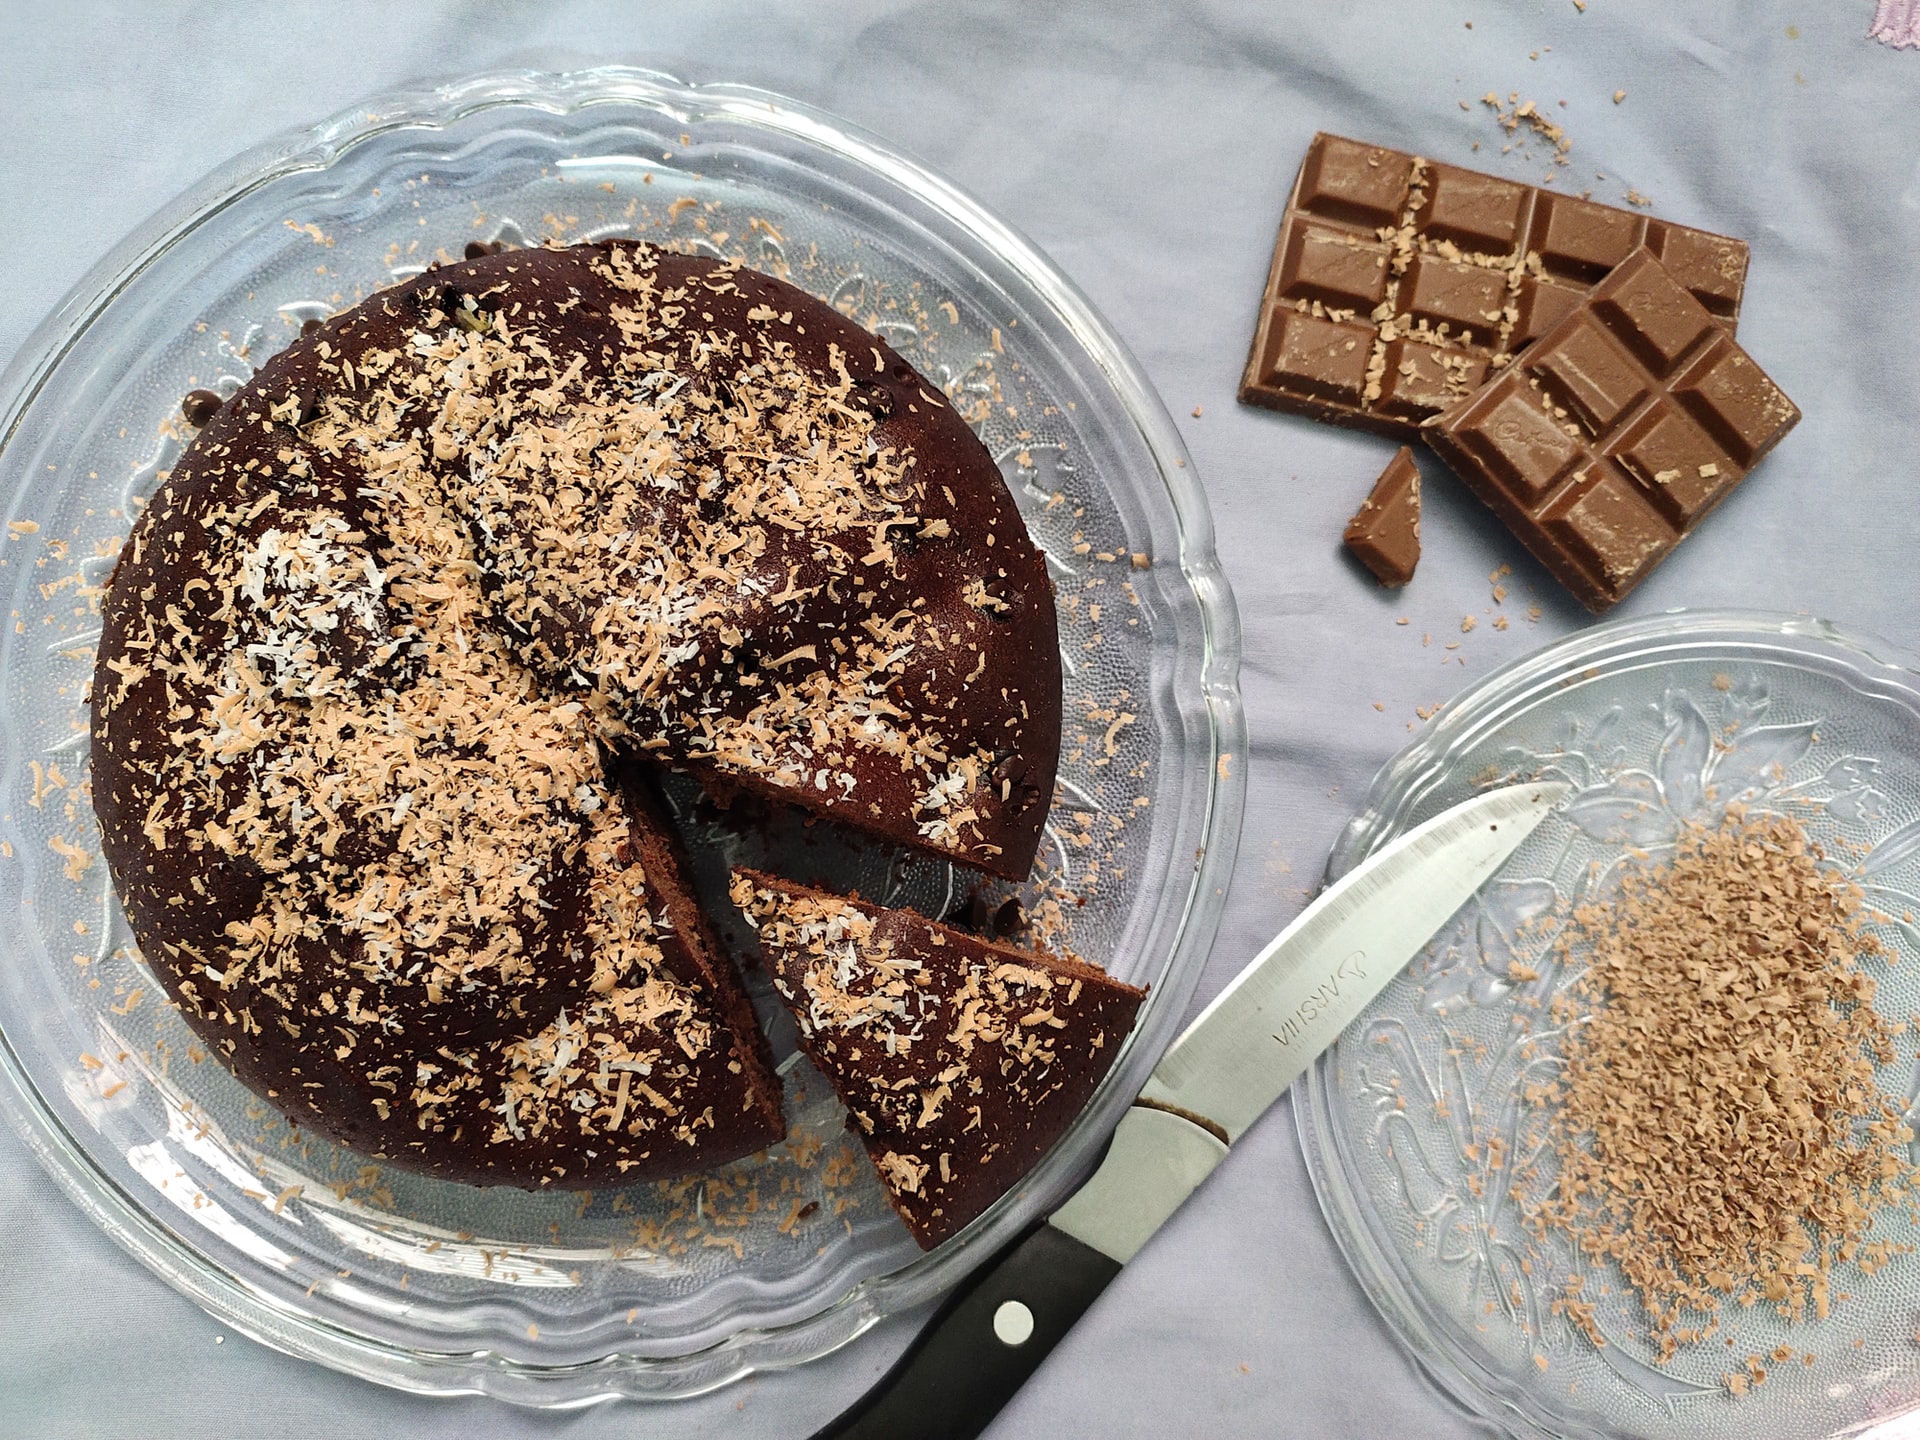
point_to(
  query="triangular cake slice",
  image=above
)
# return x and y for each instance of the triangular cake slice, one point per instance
(960, 1061)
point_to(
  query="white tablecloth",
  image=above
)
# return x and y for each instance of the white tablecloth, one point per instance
(1147, 147)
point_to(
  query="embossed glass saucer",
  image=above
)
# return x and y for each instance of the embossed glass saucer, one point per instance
(651, 1291)
(1415, 1124)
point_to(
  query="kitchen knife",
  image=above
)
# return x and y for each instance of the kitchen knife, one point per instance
(1237, 1057)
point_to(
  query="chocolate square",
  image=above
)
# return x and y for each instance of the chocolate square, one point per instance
(1420, 378)
(1466, 300)
(1658, 320)
(1735, 400)
(1347, 180)
(1519, 441)
(1589, 374)
(1477, 212)
(1543, 305)
(1312, 356)
(1335, 267)
(1676, 462)
(1610, 527)
(1580, 240)
(1713, 268)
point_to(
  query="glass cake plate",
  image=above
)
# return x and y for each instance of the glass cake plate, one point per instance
(655, 1290)
(1415, 1124)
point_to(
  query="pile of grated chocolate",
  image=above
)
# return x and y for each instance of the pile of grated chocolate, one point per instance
(1717, 1127)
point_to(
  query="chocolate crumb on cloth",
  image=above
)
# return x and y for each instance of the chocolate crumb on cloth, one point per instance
(383, 657)
(960, 1060)
(1716, 1124)
(1612, 438)
(1384, 533)
(1399, 284)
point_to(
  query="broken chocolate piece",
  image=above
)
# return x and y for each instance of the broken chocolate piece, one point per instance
(1400, 284)
(961, 1060)
(1384, 534)
(1608, 442)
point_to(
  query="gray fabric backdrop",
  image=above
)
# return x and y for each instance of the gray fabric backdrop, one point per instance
(1147, 147)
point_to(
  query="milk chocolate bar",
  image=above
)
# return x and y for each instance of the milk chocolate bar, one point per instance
(1613, 436)
(1399, 285)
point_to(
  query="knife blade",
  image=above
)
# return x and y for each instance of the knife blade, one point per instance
(1226, 1068)
(1300, 992)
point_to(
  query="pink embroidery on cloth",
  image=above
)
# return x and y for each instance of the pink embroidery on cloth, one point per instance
(1897, 23)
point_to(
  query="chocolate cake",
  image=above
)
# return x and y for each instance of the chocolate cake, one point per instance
(960, 1060)
(387, 656)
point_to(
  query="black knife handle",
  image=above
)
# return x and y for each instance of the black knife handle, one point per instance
(962, 1369)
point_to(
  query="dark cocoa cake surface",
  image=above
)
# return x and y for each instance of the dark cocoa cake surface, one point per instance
(383, 653)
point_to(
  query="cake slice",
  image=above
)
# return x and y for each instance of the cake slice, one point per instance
(960, 1060)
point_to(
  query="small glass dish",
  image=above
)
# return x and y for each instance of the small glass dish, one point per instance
(655, 1290)
(1414, 1125)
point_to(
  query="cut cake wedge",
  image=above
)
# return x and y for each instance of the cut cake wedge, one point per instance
(960, 1061)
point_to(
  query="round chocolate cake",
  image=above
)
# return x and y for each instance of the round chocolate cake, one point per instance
(388, 660)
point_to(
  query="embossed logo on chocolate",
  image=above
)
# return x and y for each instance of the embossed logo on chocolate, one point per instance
(1353, 968)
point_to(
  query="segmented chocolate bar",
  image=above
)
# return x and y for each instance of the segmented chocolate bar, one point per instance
(1608, 442)
(1399, 284)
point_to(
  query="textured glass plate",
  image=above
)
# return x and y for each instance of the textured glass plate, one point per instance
(653, 1290)
(1652, 721)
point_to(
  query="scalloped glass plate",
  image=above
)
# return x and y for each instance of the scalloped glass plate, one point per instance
(655, 1290)
(1415, 1124)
